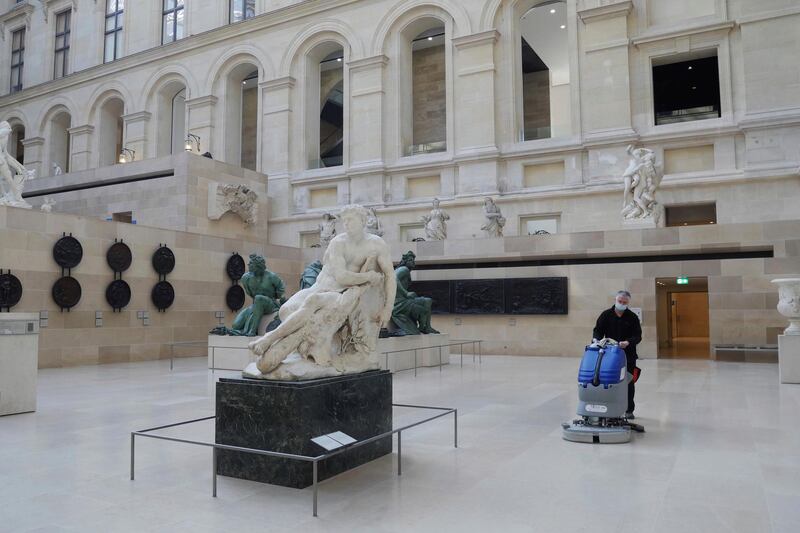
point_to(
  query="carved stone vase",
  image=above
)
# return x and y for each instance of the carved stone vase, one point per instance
(789, 303)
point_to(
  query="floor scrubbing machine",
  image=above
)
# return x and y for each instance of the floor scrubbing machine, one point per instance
(602, 397)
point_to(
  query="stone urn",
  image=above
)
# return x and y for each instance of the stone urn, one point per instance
(789, 303)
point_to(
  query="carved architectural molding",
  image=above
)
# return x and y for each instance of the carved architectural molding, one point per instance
(235, 198)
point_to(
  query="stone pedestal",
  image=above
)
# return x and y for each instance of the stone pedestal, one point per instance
(426, 355)
(19, 362)
(789, 358)
(284, 416)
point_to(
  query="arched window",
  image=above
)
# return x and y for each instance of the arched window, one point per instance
(241, 112)
(178, 126)
(59, 139)
(15, 147)
(170, 118)
(428, 91)
(545, 72)
(110, 131)
(326, 104)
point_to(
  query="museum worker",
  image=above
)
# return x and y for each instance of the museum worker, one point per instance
(622, 325)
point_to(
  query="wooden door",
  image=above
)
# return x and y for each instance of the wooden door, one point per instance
(690, 314)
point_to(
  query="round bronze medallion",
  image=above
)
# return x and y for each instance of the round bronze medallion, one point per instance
(119, 257)
(118, 294)
(235, 297)
(66, 292)
(10, 290)
(162, 295)
(163, 261)
(67, 252)
(235, 267)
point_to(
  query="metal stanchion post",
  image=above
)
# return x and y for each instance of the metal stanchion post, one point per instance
(315, 488)
(387, 360)
(214, 472)
(415, 363)
(399, 453)
(455, 428)
(461, 345)
(480, 352)
(213, 359)
(133, 436)
(473, 351)
(440, 358)
(171, 355)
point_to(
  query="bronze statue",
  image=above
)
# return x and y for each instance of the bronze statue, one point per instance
(309, 277)
(409, 260)
(267, 291)
(411, 314)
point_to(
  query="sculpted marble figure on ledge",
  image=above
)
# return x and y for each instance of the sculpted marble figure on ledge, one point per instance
(267, 291)
(12, 174)
(331, 328)
(642, 179)
(374, 225)
(436, 223)
(495, 221)
(327, 229)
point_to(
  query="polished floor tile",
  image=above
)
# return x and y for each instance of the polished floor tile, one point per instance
(721, 453)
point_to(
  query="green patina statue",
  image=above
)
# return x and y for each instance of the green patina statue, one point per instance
(309, 277)
(411, 313)
(267, 291)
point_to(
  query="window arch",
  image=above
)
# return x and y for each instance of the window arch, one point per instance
(59, 143)
(325, 105)
(16, 148)
(110, 131)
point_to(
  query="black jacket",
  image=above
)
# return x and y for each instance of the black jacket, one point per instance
(620, 328)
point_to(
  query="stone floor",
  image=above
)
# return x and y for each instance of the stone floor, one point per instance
(721, 453)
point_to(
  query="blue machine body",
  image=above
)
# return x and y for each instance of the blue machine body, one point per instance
(605, 364)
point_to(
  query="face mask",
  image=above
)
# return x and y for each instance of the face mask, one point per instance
(620, 307)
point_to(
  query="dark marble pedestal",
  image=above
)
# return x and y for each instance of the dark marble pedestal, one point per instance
(283, 416)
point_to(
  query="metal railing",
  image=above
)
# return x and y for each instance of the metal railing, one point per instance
(459, 343)
(306, 458)
(172, 346)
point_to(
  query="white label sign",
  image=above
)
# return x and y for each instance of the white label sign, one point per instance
(596, 408)
(637, 311)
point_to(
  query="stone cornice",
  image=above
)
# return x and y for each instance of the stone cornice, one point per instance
(604, 9)
(287, 82)
(136, 117)
(476, 39)
(367, 63)
(48, 5)
(77, 130)
(200, 101)
(19, 11)
(682, 32)
(33, 141)
(263, 21)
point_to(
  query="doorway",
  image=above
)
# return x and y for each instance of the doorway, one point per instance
(682, 317)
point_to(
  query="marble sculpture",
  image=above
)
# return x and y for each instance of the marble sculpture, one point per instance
(436, 223)
(495, 221)
(642, 178)
(47, 205)
(238, 199)
(327, 229)
(374, 225)
(331, 328)
(267, 291)
(12, 174)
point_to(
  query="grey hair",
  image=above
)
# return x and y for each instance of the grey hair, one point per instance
(624, 293)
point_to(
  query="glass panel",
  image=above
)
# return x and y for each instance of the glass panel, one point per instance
(67, 19)
(119, 20)
(180, 3)
(111, 6)
(59, 42)
(179, 30)
(59, 70)
(109, 55)
(14, 76)
(118, 47)
(17, 40)
(15, 58)
(120, 5)
(168, 35)
(169, 4)
(250, 9)
(110, 24)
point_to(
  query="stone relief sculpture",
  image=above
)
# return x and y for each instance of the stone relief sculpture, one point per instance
(310, 274)
(436, 223)
(374, 225)
(332, 328)
(267, 291)
(495, 221)
(236, 198)
(12, 174)
(411, 314)
(48, 204)
(327, 229)
(642, 178)
(57, 171)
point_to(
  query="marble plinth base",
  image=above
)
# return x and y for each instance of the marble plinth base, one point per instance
(426, 356)
(789, 358)
(19, 362)
(639, 223)
(284, 416)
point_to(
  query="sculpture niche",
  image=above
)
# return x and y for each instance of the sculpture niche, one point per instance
(12, 174)
(331, 328)
(411, 314)
(642, 179)
(266, 289)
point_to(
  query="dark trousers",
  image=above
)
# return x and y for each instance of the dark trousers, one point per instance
(631, 387)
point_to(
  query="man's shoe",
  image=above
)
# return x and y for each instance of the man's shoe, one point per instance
(629, 416)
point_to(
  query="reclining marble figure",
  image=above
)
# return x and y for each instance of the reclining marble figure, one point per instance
(411, 313)
(331, 328)
(267, 291)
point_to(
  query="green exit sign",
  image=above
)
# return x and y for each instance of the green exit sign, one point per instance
(683, 281)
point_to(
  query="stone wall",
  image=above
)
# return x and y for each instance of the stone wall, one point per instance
(199, 280)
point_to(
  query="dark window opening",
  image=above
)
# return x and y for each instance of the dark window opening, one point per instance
(17, 59)
(691, 215)
(686, 91)
(61, 64)
(115, 10)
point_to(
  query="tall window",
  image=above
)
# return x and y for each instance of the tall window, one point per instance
(17, 59)
(113, 39)
(242, 10)
(61, 67)
(172, 21)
